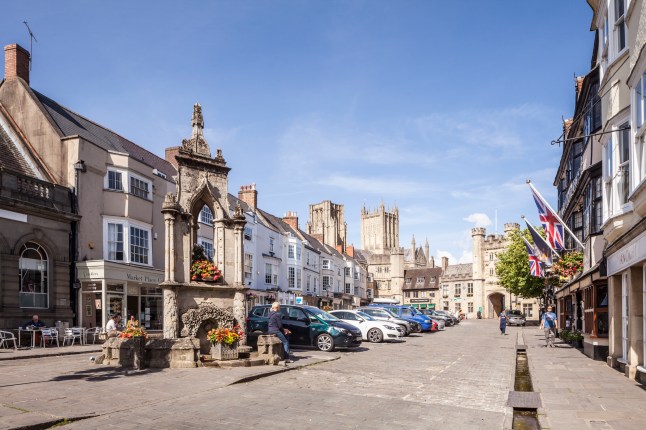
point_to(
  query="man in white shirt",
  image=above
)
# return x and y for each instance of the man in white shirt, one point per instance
(112, 327)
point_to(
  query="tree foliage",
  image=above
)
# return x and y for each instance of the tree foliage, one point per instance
(512, 268)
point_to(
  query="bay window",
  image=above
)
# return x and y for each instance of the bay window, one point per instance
(121, 235)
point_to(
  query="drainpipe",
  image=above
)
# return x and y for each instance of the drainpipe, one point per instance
(79, 167)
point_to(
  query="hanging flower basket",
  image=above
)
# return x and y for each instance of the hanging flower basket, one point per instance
(568, 266)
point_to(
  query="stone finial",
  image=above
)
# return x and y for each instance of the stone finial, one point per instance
(197, 143)
(238, 212)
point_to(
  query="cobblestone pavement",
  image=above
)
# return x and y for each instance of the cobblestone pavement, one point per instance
(456, 379)
(580, 393)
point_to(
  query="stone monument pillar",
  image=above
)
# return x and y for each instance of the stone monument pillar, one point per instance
(202, 180)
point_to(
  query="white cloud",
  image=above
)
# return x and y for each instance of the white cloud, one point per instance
(441, 253)
(479, 219)
(466, 257)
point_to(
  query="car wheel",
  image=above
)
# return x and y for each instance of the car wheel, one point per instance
(375, 335)
(325, 342)
(418, 329)
(406, 332)
(523, 324)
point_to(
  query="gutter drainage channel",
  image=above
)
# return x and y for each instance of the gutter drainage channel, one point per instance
(523, 399)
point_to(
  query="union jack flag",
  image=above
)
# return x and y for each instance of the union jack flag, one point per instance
(535, 264)
(551, 224)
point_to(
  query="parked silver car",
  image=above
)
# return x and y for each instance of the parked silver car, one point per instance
(384, 315)
(516, 318)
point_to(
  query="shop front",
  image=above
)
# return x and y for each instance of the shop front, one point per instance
(108, 288)
(422, 304)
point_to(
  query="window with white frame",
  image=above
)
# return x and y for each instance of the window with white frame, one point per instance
(327, 282)
(271, 244)
(34, 280)
(415, 294)
(121, 235)
(639, 118)
(271, 274)
(348, 288)
(593, 209)
(291, 277)
(445, 290)
(458, 290)
(624, 162)
(420, 279)
(291, 251)
(115, 180)
(356, 275)
(206, 215)
(528, 310)
(308, 282)
(616, 170)
(316, 284)
(115, 242)
(298, 253)
(208, 247)
(620, 24)
(139, 187)
(139, 245)
(248, 266)
(248, 233)
(469, 289)
(470, 307)
(327, 264)
(346, 271)
(298, 279)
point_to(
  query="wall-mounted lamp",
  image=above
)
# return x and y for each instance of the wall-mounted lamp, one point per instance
(80, 166)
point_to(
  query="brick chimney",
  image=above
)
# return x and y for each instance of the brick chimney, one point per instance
(349, 250)
(170, 156)
(445, 263)
(291, 218)
(249, 195)
(16, 62)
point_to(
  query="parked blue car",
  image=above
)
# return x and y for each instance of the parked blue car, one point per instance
(407, 312)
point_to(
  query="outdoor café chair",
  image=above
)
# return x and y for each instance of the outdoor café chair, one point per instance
(95, 332)
(7, 337)
(72, 334)
(49, 334)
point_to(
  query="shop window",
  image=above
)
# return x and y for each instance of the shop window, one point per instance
(601, 311)
(34, 282)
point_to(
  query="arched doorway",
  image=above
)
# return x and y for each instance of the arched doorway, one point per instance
(496, 304)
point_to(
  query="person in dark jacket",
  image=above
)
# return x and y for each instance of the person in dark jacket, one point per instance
(503, 321)
(276, 327)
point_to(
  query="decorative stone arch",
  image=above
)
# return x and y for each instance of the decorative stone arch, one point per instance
(197, 321)
(37, 236)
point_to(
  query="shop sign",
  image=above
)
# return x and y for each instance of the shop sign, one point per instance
(87, 273)
(147, 279)
(628, 255)
(419, 300)
(299, 300)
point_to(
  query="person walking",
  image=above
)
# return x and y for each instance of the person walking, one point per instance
(276, 327)
(502, 318)
(549, 324)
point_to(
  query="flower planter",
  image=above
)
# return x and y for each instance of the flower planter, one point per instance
(224, 351)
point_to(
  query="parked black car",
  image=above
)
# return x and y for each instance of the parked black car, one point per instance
(448, 321)
(309, 325)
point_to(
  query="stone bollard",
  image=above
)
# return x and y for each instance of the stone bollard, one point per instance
(270, 349)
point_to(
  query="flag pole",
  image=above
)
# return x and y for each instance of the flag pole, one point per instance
(576, 239)
(529, 224)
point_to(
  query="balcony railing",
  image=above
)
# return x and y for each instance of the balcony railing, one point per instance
(33, 191)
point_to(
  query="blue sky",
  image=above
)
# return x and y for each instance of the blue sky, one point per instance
(442, 108)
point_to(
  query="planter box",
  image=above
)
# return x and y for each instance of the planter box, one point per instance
(222, 351)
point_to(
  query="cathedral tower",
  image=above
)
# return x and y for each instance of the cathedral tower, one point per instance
(327, 224)
(379, 229)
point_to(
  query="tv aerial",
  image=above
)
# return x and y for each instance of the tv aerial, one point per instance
(32, 39)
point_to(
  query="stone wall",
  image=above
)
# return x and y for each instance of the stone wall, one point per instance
(157, 353)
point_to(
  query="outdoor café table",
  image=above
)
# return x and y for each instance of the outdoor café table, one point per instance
(31, 331)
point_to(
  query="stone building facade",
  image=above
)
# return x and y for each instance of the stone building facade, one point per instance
(327, 224)
(119, 248)
(37, 219)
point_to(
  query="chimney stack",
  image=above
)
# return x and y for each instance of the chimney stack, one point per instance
(291, 218)
(349, 250)
(249, 195)
(16, 62)
(445, 263)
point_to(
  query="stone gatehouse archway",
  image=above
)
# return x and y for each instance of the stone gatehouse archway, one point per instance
(496, 302)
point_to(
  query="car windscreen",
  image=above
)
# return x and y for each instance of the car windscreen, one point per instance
(365, 316)
(322, 315)
(406, 312)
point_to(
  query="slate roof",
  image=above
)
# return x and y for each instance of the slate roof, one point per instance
(11, 156)
(70, 123)
(431, 277)
(459, 270)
